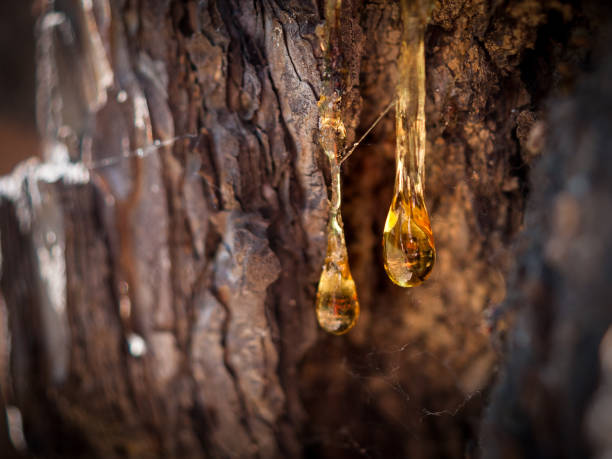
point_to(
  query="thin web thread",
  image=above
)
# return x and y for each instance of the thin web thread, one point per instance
(148, 150)
(382, 114)
(142, 152)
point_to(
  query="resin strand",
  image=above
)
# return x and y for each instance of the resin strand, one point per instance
(408, 246)
(337, 307)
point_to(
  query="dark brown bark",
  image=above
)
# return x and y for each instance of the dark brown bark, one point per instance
(547, 402)
(162, 305)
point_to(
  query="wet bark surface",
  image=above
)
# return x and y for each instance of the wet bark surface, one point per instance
(161, 302)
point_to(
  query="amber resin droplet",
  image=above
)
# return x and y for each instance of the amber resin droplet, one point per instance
(408, 246)
(337, 306)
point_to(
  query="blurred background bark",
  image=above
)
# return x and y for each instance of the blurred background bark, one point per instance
(18, 135)
(162, 303)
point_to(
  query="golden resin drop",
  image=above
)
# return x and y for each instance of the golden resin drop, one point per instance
(408, 246)
(337, 305)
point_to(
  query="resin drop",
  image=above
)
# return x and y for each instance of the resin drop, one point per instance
(337, 306)
(408, 246)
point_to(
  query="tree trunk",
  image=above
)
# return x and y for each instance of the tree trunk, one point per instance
(159, 267)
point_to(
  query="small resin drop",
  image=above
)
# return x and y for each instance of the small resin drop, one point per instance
(337, 305)
(408, 245)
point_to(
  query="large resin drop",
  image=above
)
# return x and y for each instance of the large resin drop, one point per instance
(337, 306)
(408, 246)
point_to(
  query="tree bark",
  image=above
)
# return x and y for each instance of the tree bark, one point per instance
(160, 302)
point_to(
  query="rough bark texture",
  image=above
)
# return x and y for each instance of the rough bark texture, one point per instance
(162, 304)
